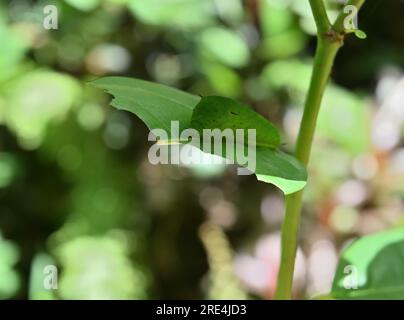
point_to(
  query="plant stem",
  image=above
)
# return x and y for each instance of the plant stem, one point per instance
(320, 15)
(326, 52)
(324, 59)
(339, 23)
(330, 39)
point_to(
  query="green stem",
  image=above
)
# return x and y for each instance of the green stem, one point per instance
(320, 15)
(330, 39)
(326, 52)
(339, 23)
(324, 59)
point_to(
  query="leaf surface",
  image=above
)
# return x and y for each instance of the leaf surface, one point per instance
(372, 268)
(157, 105)
(224, 113)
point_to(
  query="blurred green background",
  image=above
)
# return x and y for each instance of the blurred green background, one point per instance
(77, 190)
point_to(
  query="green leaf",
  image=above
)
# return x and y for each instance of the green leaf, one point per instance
(360, 34)
(224, 113)
(36, 290)
(224, 80)
(225, 46)
(84, 5)
(12, 49)
(376, 264)
(90, 260)
(157, 105)
(36, 100)
(9, 278)
(280, 169)
(269, 165)
(183, 14)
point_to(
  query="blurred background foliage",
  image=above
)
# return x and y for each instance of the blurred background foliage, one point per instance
(77, 190)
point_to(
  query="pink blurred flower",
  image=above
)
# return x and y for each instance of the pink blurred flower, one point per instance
(259, 272)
